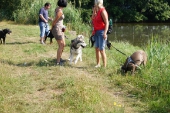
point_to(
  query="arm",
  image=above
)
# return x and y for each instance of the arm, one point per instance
(50, 18)
(59, 14)
(105, 19)
(41, 16)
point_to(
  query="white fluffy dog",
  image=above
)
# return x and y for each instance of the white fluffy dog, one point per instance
(76, 48)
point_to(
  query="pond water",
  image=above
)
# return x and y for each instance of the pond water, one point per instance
(139, 34)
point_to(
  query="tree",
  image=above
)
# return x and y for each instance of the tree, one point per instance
(7, 7)
(157, 11)
(138, 11)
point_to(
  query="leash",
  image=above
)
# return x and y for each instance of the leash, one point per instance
(119, 51)
(128, 59)
(111, 46)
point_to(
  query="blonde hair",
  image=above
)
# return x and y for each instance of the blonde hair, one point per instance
(98, 3)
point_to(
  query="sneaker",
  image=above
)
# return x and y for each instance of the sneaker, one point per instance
(97, 66)
(42, 42)
(59, 64)
(61, 60)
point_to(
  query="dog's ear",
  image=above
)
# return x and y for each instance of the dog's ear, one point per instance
(5, 30)
(72, 41)
(80, 37)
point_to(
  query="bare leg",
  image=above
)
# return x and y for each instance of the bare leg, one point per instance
(103, 54)
(42, 40)
(97, 56)
(61, 44)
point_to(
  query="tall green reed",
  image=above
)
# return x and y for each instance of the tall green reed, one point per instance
(28, 14)
(150, 85)
(157, 77)
(74, 21)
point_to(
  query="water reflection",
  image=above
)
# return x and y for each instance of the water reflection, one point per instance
(139, 34)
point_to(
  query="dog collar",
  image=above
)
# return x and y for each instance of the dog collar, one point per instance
(129, 61)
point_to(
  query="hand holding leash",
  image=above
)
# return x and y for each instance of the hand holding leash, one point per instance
(50, 18)
(105, 36)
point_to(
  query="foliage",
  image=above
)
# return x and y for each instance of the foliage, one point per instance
(157, 11)
(28, 12)
(158, 78)
(118, 10)
(138, 11)
(74, 22)
(7, 7)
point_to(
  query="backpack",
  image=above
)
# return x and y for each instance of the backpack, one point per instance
(110, 28)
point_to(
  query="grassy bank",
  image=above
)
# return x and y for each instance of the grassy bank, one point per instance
(30, 81)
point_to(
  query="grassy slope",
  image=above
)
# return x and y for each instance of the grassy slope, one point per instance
(29, 81)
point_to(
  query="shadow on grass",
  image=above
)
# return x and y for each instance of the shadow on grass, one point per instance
(40, 63)
(17, 43)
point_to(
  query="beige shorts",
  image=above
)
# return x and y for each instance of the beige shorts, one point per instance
(57, 32)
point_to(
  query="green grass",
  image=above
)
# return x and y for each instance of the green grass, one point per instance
(30, 81)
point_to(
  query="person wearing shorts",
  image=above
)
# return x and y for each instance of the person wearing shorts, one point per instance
(57, 26)
(43, 21)
(100, 24)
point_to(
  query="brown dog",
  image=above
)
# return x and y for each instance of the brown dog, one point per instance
(134, 61)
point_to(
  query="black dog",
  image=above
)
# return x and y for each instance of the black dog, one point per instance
(108, 43)
(50, 35)
(3, 35)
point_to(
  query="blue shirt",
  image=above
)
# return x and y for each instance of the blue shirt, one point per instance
(44, 13)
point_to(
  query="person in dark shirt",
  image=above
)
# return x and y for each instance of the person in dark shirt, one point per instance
(43, 21)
